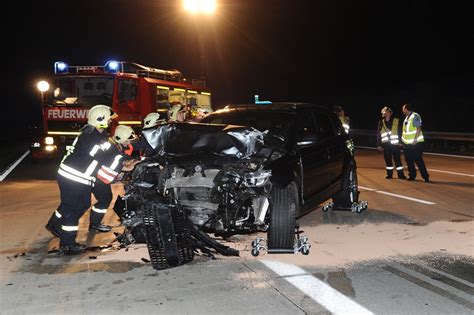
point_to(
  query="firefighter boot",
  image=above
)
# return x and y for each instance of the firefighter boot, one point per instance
(401, 175)
(73, 249)
(389, 174)
(53, 226)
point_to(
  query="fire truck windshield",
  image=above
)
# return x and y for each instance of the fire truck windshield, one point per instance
(81, 90)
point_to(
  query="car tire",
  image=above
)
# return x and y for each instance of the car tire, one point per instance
(283, 203)
(350, 188)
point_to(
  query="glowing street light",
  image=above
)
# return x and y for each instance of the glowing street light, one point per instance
(200, 6)
(42, 86)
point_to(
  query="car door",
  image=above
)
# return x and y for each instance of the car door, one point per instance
(314, 155)
(334, 144)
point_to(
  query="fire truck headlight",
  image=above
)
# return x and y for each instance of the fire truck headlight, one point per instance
(49, 140)
(36, 145)
(112, 66)
(50, 148)
(60, 67)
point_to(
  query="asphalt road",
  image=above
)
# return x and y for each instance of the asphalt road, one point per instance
(411, 252)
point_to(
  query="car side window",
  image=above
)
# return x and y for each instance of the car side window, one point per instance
(324, 127)
(306, 128)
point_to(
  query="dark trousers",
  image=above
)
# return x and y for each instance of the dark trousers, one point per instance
(75, 200)
(392, 152)
(414, 154)
(103, 193)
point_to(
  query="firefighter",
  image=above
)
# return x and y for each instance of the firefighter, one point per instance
(413, 139)
(388, 141)
(152, 120)
(178, 113)
(76, 177)
(342, 117)
(108, 173)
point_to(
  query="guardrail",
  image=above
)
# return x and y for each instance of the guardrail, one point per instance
(455, 136)
(436, 142)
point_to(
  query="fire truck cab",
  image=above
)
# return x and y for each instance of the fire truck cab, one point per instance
(130, 89)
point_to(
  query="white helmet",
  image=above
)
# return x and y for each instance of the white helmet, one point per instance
(151, 120)
(99, 116)
(123, 133)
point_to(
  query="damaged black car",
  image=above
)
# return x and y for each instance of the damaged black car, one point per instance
(243, 169)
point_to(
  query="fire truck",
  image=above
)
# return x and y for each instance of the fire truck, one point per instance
(130, 89)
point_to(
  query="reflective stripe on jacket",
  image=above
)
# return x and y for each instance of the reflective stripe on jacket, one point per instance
(389, 135)
(345, 123)
(409, 130)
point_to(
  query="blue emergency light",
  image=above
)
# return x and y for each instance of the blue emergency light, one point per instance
(257, 101)
(112, 66)
(60, 67)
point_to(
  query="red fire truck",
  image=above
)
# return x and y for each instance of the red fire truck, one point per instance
(131, 89)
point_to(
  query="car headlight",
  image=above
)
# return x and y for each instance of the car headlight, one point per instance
(49, 140)
(258, 179)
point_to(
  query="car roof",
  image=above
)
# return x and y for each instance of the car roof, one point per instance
(276, 106)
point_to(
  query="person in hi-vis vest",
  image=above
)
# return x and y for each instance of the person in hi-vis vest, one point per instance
(388, 141)
(413, 139)
(345, 121)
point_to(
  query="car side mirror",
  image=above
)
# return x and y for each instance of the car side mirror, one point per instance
(308, 139)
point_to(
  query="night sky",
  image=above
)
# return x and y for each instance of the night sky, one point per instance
(360, 54)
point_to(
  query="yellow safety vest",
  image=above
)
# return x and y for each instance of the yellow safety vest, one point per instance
(389, 135)
(409, 130)
(345, 122)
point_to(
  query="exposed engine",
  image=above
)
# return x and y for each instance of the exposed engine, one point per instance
(215, 177)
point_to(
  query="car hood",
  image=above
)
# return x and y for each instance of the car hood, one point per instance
(194, 139)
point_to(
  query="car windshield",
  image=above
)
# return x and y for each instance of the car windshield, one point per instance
(82, 90)
(277, 123)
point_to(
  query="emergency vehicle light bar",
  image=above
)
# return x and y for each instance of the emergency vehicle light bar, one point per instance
(60, 67)
(113, 66)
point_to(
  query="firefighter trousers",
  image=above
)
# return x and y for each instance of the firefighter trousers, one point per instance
(103, 193)
(75, 200)
(392, 152)
(414, 154)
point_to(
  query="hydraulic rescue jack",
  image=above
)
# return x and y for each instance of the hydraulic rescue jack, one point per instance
(301, 245)
(355, 207)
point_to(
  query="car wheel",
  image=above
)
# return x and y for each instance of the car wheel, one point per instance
(281, 233)
(350, 188)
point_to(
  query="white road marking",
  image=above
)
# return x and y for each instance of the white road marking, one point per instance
(450, 155)
(447, 172)
(12, 167)
(367, 188)
(322, 293)
(398, 196)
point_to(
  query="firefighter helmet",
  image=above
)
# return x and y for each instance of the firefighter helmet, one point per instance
(175, 108)
(124, 134)
(151, 120)
(100, 115)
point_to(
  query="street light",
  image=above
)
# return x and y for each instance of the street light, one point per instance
(42, 86)
(200, 6)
